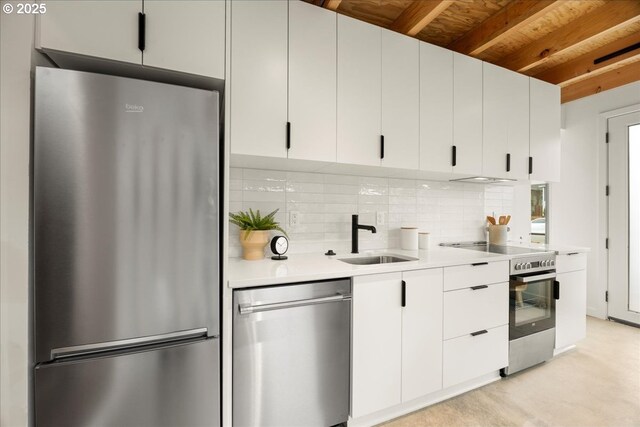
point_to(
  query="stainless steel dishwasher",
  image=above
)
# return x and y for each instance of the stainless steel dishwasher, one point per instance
(291, 351)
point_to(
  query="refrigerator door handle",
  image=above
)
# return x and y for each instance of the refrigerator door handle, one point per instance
(83, 350)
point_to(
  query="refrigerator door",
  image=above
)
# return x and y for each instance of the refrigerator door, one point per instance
(170, 386)
(125, 209)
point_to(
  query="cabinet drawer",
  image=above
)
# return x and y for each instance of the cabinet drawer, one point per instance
(468, 310)
(572, 262)
(483, 273)
(468, 357)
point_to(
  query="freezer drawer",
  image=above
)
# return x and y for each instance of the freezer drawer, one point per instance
(168, 386)
(291, 350)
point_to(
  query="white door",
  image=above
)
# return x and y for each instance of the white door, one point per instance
(544, 144)
(359, 100)
(376, 343)
(259, 77)
(400, 100)
(624, 217)
(422, 333)
(312, 82)
(436, 108)
(186, 36)
(467, 114)
(103, 29)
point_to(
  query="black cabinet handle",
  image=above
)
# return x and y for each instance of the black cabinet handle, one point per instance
(475, 334)
(141, 31)
(453, 155)
(288, 135)
(530, 165)
(475, 264)
(508, 162)
(382, 146)
(573, 253)
(475, 288)
(556, 289)
(404, 293)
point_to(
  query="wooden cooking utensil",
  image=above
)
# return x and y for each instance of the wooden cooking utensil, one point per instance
(501, 220)
(491, 220)
(507, 220)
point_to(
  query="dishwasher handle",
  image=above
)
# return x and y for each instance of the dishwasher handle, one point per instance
(249, 309)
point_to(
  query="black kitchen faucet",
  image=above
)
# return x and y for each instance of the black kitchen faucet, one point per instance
(354, 232)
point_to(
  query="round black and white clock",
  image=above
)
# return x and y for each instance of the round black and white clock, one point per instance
(279, 246)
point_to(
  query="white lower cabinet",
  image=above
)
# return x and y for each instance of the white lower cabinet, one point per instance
(571, 307)
(471, 356)
(396, 351)
(476, 308)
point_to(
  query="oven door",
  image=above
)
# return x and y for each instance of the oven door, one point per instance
(532, 304)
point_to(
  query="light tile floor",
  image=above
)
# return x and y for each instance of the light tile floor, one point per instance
(596, 384)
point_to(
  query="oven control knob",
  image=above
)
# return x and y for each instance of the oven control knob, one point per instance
(545, 263)
(518, 266)
(552, 263)
(527, 265)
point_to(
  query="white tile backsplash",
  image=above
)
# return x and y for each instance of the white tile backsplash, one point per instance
(450, 211)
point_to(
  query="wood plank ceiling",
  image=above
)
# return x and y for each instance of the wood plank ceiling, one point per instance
(585, 46)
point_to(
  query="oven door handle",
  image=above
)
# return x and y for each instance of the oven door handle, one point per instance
(529, 279)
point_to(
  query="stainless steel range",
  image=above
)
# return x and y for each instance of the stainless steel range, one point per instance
(533, 292)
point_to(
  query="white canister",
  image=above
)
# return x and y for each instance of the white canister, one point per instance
(423, 240)
(409, 238)
(498, 234)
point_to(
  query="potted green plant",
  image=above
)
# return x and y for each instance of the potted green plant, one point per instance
(254, 231)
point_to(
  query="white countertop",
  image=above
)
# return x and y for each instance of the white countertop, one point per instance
(308, 267)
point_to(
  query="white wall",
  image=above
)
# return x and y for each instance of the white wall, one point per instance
(16, 47)
(450, 211)
(578, 202)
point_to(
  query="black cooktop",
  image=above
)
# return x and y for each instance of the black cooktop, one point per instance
(495, 249)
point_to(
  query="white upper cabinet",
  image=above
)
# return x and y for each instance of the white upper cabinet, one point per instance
(258, 113)
(436, 108)
(196, 46)
(544, 147)
(400, 100)
(505, 123)
(312, 82)
(359, 100)
(185, 36)
(467, 114)
(102, 29)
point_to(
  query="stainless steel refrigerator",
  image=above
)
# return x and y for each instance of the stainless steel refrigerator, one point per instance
(126, 252)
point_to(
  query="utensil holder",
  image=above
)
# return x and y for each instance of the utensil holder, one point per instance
(498, 234)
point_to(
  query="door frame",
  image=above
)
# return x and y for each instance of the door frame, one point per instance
(603, 179)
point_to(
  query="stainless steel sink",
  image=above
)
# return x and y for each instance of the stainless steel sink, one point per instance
(378, 259)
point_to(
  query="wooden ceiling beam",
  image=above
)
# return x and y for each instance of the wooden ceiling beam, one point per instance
(418, 15)
(331, 4)
(609, 80)
(501, 24)
(585, 65)
(606, 18)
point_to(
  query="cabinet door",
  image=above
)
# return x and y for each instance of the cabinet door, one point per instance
(436, 108)
(259, 77)
(505, 129)
(104, 29)
(312, 82)
(467, 114)
(422, 334)
(376, 340)
(359, 82)
(400, 100)
(518, 125)
(571, 308)
(495, 108)
(186, 36)
(544, 136)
